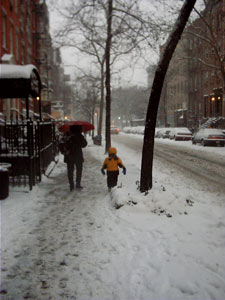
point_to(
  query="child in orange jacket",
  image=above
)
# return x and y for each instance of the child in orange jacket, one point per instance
(112, 164)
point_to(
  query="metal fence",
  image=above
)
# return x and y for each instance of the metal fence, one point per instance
(29, 147)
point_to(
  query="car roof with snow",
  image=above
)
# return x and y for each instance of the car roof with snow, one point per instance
(211, 131)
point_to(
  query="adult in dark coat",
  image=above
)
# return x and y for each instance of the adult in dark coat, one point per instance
(74, 156)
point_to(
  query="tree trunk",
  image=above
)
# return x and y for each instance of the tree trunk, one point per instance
(101, 101)
(149, 134)
(107, 79)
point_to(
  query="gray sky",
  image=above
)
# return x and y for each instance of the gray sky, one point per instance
(125, 72)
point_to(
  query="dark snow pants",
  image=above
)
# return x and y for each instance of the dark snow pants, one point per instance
(70, 171)
(112, 177)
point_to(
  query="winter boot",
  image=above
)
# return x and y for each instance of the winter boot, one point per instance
(71, 187)
(78, 186)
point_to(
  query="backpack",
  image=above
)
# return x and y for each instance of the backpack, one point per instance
(65, 146)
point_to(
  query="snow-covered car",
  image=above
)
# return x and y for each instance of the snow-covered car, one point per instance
(166, 134)
(180, 134)
(209, 137)
(159, 132)
(114, 130)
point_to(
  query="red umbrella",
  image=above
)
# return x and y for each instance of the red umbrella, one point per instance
(86, 126)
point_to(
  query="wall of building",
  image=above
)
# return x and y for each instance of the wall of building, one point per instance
(194, 86)
(25, 38)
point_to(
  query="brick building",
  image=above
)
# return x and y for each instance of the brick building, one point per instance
(194, 86)
(17, 26)
(25, 39)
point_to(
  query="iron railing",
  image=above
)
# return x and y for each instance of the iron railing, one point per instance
(29, 147)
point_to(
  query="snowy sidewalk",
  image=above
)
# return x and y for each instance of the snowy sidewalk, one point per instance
(62, 245)
(48, 245)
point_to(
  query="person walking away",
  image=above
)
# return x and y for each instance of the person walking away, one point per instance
(112, 164)
(74, 155)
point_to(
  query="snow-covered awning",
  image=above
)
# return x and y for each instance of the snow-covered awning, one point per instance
(18, 81)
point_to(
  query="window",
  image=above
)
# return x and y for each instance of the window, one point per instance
(195, 42)
(10, 5)
(22, 55)
(16, 6)
(218, 73)
(11, 38)
(17, 45)
(4, 29)
(219, 46)
(29, 56)
(191, 83)
(219, 20)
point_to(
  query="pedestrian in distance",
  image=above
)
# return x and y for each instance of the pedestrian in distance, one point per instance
(112, 164)
(71, 147)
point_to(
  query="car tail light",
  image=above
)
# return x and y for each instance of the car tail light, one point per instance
(215, 137)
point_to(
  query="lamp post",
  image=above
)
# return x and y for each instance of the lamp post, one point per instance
(40, 108)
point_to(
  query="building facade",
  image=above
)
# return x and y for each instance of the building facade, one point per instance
(16, 42)
(194, 86)
(25, 39)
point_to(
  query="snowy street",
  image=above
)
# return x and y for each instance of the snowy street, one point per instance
(205, 164)
(167, 245)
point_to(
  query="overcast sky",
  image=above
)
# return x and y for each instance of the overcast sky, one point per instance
(126, 73)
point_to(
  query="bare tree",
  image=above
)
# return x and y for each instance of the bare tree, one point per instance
(108, 73)
(149, 134)
(85, 29)
(87, 97)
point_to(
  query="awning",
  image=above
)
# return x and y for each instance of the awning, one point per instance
(18, 81)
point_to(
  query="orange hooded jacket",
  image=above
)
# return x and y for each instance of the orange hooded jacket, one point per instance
(112, 162)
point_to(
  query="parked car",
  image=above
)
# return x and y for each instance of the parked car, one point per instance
(180, 134)
(166, 134)
(159, 132)
(114, 130)
(209, 137)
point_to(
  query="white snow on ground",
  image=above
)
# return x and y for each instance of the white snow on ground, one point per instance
(93, 245)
